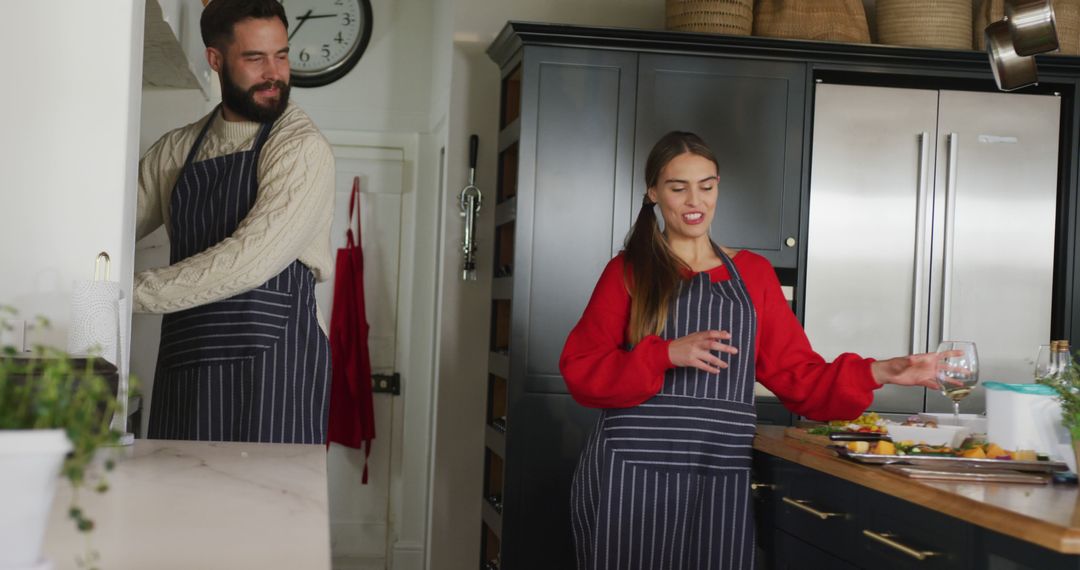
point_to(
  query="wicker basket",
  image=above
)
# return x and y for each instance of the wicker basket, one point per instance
(1066, 16)
(733, 17)
(1067, 19)
(986, 11)
(831, 20)
(925, 23)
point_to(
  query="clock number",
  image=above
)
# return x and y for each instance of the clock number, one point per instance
(339, 39)
(326, 51)
(304, 55)
(348, 19)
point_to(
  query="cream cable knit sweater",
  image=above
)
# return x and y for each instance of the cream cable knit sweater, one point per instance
(290, 218)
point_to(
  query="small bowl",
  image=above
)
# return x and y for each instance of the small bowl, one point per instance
(952, 436)
(975, 423)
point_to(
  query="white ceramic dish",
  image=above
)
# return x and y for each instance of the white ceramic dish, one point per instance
(975, 423)
(952, 436)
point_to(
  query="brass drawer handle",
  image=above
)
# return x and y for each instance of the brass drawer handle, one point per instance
(756, 486)
(888, 539)
(801, 504)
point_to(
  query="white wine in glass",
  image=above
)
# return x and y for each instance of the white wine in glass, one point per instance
(958, 373)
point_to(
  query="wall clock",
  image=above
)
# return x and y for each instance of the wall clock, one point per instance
(326, 38)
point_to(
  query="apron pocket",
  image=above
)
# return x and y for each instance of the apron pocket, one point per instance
(242, 326)
(682, 433)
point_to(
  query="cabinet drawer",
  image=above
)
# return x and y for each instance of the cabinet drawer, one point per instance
(794, 554)
(896, 534)
(817, 508)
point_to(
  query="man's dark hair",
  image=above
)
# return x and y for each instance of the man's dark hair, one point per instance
(219, 17)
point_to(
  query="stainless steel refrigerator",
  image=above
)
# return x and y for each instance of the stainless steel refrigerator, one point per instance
(932, 217)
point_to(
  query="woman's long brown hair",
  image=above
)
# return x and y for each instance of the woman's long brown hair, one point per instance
(652, 269)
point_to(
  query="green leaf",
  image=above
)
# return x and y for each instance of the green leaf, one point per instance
(51, 392)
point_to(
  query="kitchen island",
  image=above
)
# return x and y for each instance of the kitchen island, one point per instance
(816, 510)
(185, 505)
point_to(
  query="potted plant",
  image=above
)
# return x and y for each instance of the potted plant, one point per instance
(54, 415)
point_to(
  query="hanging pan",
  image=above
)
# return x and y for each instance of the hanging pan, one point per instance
(1011, 70)
(1032, 26)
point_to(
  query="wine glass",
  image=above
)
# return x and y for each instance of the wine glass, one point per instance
(1044, 362)
(958, 373)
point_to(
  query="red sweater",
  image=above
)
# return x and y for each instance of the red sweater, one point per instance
(601, 373)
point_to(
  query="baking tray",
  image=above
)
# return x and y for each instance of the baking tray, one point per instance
(939, 460)
(967, 475)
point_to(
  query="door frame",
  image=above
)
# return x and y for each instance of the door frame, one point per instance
(411, 438)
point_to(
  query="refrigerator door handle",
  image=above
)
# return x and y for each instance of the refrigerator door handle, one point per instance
(950, 233)
(919, 291)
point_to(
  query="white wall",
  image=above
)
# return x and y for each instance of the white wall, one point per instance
(387, 95)
(69, 136)
(389, 88)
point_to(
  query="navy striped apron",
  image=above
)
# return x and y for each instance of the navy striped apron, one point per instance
(253, 367)
(666, 484)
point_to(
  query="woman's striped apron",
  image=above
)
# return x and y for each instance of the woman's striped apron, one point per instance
(666, 484)
(256, 366)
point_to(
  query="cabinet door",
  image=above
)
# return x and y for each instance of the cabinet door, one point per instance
(575, 158)
(794, 554)
(575, 147)
(817, 508)
(895, 534)
(751, 115)
(995, 551)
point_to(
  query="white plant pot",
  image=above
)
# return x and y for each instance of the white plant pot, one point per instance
(30, 462)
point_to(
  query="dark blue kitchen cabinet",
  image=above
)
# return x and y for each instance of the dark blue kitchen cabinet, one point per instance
(837, 523)
(751, 114)
(566, 155)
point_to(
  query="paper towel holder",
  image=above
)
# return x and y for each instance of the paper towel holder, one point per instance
(97, 266)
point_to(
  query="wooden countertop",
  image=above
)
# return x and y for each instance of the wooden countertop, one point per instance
(1047, 515)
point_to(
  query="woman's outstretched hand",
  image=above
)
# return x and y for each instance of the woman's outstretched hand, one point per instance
(695, 350)
(914, 370)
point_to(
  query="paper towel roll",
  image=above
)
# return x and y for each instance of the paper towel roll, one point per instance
(95, 323)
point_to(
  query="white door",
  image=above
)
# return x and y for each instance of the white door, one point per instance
(359, 527)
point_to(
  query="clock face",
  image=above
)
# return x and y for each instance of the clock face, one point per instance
(326, 38)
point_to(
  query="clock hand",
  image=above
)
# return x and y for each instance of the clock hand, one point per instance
(300, 22)
(321, 16)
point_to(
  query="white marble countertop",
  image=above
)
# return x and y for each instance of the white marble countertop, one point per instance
(186, 505)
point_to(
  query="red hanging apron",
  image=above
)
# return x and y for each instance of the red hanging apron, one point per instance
(352, 415)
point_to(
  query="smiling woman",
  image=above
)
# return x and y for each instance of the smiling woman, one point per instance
(670, 344)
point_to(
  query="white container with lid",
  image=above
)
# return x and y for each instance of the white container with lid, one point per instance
(1027, 416)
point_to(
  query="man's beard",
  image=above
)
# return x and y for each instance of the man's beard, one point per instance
(243, 102)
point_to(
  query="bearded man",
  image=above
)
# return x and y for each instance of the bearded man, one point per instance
(246, 194)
